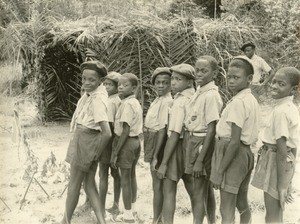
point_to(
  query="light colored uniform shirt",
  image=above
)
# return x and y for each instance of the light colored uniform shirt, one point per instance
(113, 105)
(284, 121)
(130, 111)
(260, 67)
(158, 112)
(243, 110)
(91, 109)
(203, 108)
(177, 111)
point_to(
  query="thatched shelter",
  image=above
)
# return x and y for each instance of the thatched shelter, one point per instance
(51, 59)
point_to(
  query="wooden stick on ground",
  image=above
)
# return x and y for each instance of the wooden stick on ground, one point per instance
(5, 204)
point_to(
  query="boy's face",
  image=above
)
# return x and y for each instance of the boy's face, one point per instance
(162, 84)
(249, 51)
(110, 86)
(237, 79)
(179, 82)
(125, 88)
(90, 80)
(280, 86)
(204, 72)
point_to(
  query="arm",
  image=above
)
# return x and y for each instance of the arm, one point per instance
(106, 135)
(211, 131)
(121, 142)
(169, 150)
(161, 138)
(281, 156)
(230, 153)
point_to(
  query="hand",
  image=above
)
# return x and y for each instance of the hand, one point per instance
(161, 172)
(216, 181)
(89, 53)
(198, 170)
(153, 164)
(113, 162)
(282, 197)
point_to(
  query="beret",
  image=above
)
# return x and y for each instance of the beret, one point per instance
(160, 70)
(245, 58)
(96, 66)
(247, 44)
(184, 69)
(114, 76)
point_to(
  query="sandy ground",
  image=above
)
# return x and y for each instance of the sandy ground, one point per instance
(53, 138)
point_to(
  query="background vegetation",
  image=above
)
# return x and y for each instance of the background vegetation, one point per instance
(49, 38)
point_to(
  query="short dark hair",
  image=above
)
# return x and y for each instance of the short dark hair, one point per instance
(243, 64)
(292, 73)
(211, 60)
(132, 78)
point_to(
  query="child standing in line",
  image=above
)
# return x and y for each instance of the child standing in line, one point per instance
(111, 85)
(155, 133)
(203, 112)
(237, 129)
(173, 162)
(126, 145)
(276, 165)
(90, 138)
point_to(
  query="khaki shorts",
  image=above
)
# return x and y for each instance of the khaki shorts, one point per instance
(129, 153)
(237, 176)
(192, 148)
(106, 154)
(83, 151)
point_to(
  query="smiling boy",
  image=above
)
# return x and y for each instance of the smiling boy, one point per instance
(237, 129)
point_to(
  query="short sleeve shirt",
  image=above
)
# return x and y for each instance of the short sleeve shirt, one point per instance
(177, 111)
(260, 67)
(203, 108)
(130, 111)
(113, 105)
(284, 121)
(243, 111)
(158, 112)
(92, 108)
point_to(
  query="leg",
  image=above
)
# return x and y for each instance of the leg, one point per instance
(169, 192)
(103, 184)
(188, 181)
(211, 205)
(200, 199)
(76, 178)
(126, 188)
(117, 187)
(92, 193)
(227, 206)
(243, 206)
(157, 187)
(274, 212)
(133, 183)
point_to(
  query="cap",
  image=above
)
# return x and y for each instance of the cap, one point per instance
(247, 44)
(160, 70)
(185, 70)
(96, 66)
(245, 58)
(114, 76)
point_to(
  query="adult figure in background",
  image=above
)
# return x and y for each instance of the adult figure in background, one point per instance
(262, 71)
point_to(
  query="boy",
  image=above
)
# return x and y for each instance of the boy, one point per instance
(90, 138)
(276, 164)
(111, 85)
(155, 132)
(237, 129)
(202, 115)
(173, 162)
(126, 145)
